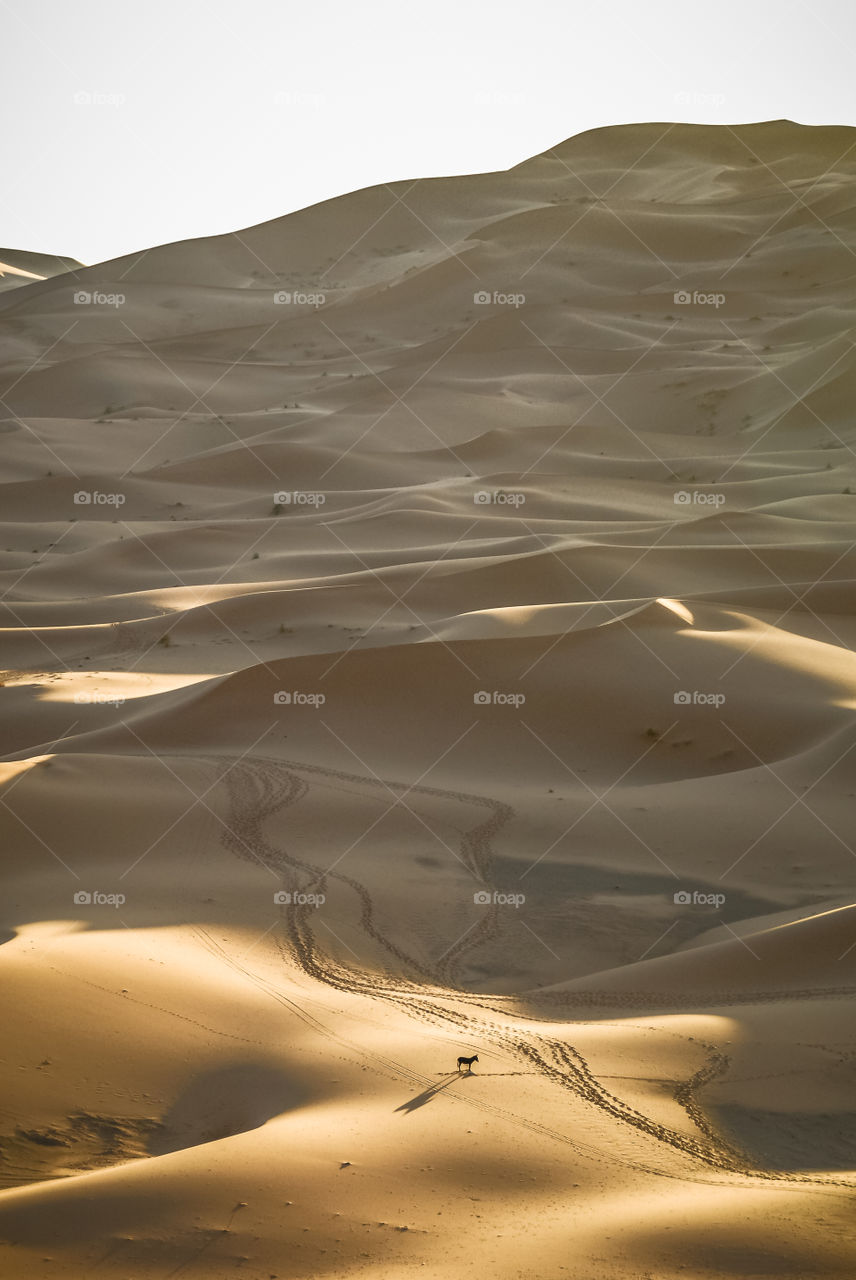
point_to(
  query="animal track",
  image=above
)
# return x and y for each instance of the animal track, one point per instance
(260, 788)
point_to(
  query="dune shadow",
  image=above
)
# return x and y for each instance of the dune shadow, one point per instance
(225, 1102)
(56, 1212)
(790, 1141)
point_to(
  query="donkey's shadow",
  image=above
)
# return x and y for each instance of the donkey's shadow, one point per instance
(413, 1104)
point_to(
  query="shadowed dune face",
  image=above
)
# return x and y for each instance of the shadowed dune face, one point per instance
(799, 1141)
(429, 632)
(223, 1102)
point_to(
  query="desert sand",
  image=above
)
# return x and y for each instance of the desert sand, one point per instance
(428, 628)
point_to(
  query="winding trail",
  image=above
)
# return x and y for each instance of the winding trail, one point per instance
(259, 788)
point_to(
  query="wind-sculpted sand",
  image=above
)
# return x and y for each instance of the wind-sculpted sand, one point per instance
(428, 624)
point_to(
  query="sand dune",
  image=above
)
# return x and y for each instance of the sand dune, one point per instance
(812, 951)
(428, 627)
(19, 268)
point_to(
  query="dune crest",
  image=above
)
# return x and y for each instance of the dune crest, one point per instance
(428, 627)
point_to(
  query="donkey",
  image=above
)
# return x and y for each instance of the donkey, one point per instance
(468, 1062)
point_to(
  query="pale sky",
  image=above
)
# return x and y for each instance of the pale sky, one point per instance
(128, 123)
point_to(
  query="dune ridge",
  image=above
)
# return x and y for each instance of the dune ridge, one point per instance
(428, 631)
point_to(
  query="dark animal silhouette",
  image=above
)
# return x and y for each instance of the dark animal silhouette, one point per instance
(468, 1062)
